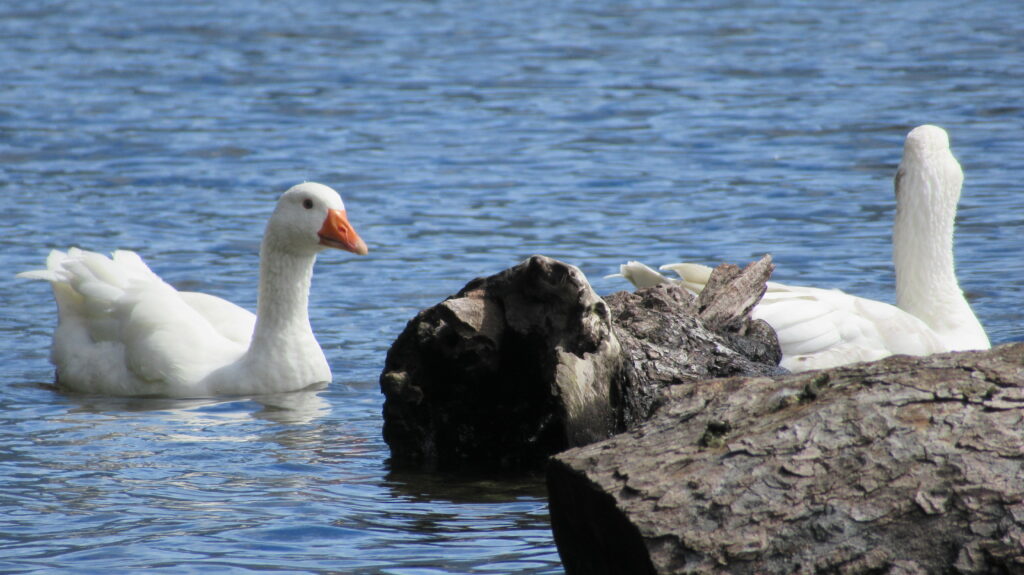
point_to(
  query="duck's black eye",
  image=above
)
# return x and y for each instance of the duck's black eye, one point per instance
(307, 203)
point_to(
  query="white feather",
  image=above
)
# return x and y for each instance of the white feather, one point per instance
(124, 331)
(820, 328)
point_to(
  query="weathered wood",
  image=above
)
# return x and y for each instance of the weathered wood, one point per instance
(528, 362)
(668, 337)
(513, 368)
(907, 465)
(731, 293)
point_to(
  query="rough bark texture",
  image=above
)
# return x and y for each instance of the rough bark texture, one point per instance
(668, 337)
(513, 368)
(526, 363)
(907, 465)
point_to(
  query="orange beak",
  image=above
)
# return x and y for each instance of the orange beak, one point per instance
(338, 233)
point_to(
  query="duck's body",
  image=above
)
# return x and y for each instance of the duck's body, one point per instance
(124, 331)
(820, 328)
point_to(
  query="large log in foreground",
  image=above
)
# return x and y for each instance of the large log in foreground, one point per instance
(529, 362)
(907, 465)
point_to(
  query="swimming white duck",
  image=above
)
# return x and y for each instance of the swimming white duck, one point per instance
(820, 328)
(123, 331)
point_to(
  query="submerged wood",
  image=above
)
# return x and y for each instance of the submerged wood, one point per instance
(531, 361)
(907, 465)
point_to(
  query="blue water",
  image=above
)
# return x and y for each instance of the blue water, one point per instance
(465, 136)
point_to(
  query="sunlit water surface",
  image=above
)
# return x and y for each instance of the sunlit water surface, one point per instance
(465, 136)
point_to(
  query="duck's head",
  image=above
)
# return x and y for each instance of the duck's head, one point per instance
(926, 140)
(929, 177)
(310, 217)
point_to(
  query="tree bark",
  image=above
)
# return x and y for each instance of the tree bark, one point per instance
(907, 465)
(511, 369)
(529, 362)
(668, 337)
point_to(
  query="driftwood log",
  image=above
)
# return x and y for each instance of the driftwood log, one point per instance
(524, 364)
(511, 369)
(668, 337)
(903, 466)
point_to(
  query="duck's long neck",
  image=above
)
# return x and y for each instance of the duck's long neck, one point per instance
(926, 284)
(282, 316)
(922, 241)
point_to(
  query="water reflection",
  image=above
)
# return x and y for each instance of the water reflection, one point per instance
(280, 476)
(297, 407)
(465, 488)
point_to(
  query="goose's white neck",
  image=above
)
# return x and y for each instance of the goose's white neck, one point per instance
(283, 344)
(282, 304)
(928, 190)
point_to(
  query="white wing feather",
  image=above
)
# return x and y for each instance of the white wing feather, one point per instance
(122, 328)
(816, 328)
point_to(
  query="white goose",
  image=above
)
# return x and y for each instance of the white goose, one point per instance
(123, 331)
(820, 328)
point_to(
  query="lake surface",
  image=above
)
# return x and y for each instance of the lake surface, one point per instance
(464, 136)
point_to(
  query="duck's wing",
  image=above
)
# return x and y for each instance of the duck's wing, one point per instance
(819, 328)
(124, 331)
(232, 321)
(825, 328)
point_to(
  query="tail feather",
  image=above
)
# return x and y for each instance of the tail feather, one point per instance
(45, 275)
(99, 295)
(133, 264)
(90, 288)
(54, 271)
(103, 270)
(99, 279)
(640, 275)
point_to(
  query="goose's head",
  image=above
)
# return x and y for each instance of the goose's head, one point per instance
(925, 141)
(928, 169)
(310, 217)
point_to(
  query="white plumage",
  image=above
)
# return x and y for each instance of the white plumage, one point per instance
(820, 328)
(124, 331)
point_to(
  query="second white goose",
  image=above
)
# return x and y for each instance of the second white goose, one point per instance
(820, 328)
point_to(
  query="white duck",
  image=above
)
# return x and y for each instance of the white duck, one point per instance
(123, 331)
(820, 328)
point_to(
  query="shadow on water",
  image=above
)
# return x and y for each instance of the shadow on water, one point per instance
(463, 487)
